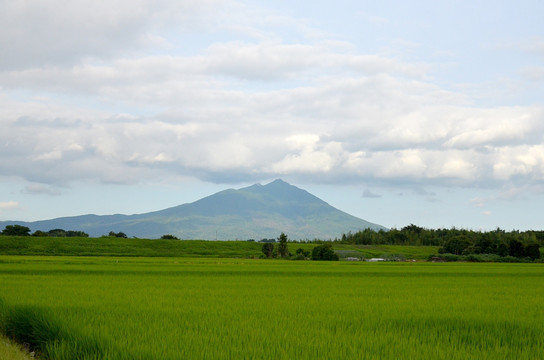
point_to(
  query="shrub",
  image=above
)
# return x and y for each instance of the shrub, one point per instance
(473, 258)
(324, 252)
(40, 233)
(444, 257)
(304, 253)
(16, 230)
(57, 233)
(169, 237)
(268, 249)
(74, 233)
(119, 234)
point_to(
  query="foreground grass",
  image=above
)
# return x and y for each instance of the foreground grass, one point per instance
(171, 308)
(9, 350)
(28, 245)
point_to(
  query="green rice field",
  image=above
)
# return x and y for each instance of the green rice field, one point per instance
(196, 308)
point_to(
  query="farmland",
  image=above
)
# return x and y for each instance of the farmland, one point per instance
(202, 308)
(111, 246)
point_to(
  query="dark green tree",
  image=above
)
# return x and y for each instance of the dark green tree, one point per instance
(324, 252)
(502, 249)
(268, 249)
(57, 232)
(516, 248)
(76, 233)
(455, 245)
(301, 251)
(16, 230)
(532, 251)
(283, 250)
(169, 237)
(119, 234)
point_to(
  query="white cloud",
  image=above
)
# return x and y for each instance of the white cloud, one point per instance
(308, 156)
(6, 205)
(458, 168)
(291, 136)
(107, 102)
(479, 202)
(58, 32)
(482, 127)
(39, 189)
(524, 161)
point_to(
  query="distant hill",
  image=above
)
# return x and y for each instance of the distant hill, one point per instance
(254, 212)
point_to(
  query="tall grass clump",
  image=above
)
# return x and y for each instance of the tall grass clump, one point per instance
(43, 335)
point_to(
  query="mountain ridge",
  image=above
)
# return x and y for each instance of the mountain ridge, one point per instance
(253, 212)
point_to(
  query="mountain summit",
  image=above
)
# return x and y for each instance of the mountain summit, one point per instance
(254, 212)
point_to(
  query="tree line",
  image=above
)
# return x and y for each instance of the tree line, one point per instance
(319, 252)
(459, 242)
(20, 230)
(519, 244)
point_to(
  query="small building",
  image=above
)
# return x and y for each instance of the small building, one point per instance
(352, 259)
(376, 259)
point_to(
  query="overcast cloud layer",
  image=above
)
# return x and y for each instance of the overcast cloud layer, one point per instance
(227, 92)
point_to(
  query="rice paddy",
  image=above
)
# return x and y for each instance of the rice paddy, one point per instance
(183, 308)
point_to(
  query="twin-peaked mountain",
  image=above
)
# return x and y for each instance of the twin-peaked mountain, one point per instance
(254, 212)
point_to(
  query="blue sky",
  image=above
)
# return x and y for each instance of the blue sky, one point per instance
(427, 112)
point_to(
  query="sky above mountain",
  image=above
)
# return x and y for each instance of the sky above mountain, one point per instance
(424, 112)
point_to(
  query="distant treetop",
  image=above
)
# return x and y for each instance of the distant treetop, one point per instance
(16, 230)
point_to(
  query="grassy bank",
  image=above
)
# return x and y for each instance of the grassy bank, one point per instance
(9, 350)
(171, 308)
(28, 245)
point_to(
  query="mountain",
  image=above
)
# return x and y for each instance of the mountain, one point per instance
(255, 212)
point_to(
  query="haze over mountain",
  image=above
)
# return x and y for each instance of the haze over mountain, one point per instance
(255, 212)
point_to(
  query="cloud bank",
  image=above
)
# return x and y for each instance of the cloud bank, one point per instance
(146, 92)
